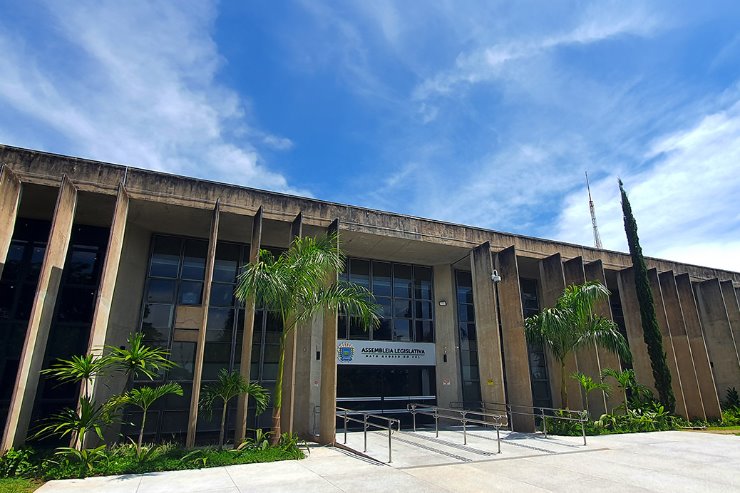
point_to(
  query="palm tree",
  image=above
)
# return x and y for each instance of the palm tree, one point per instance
(628, 383)
(588, 385)
(138, 358)
(77, 423)
(79, 369)
(296, 285)
(143, 398)
(572, 324)
(228, 386)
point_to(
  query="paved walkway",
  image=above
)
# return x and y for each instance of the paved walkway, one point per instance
(666, 461)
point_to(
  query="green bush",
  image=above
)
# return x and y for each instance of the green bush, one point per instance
(18, 463)
(652, 417)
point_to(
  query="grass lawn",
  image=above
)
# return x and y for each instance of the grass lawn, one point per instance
(12, 485)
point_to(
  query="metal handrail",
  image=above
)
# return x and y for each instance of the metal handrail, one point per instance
(495, 420)
(344, 413)
(539, 412)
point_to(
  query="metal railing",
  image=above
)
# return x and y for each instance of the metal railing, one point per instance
(464, 416)
(544, 413)
(346, 415)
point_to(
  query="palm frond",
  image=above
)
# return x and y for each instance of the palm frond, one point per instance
(139, 358)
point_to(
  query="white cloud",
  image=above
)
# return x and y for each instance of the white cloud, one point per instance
(686, 200)
(134, 82)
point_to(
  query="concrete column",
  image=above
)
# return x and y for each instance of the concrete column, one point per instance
(587, 359)
(594, 271)
(490, 364)
(328, 391)
(552, 283)
(699, 352)
(516, 356)
(201, 346)
(733, 311)
(10, 198)
(718, 336)
(665, 333)
(449, 388)
(287, 410)
(39, 322)
(681, 347)
(635, 334)
(242, 407)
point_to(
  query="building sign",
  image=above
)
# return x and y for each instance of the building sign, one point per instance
(351, 352)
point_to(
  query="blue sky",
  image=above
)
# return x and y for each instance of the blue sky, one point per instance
(483, 113)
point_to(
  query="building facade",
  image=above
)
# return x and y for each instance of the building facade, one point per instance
(91, 252)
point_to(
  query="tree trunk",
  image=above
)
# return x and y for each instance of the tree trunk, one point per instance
(141, 434)
(223, 426)
(278, 394)
(563, 386)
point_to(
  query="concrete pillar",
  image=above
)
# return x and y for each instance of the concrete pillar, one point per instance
(201, 346)
(10, 198)
(635, 334)
(449, 387)
(516, 356)
(327, 418)
(587, 359)
(733, 311)
(552, 282)
(698, 346)
(242, 407)
(490, 364)
(681, 347)
(287, 410)
(718, 336)
(665, 333)
(39, 322)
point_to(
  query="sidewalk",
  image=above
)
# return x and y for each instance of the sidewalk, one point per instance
(666, 461)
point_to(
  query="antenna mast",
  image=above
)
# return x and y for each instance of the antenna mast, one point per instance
(597, 238)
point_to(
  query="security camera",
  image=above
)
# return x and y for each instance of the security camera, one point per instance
(495, 277)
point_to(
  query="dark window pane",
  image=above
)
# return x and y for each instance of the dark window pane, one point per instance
(222, 294)
(402, 281)
(402, 330)
(359, 272)
(191, 293)
(227, 258)
(386, 307)
(183, 354)
(76, 305)
(466, 313)
(383, 333)
(165, 257)
(467, 336)
(356, 331)
(424, 332)
(423, 310)
(342, 327)
(7, 297)
(215, 357)
(220, 325)
(402, 308)
(161, 291)
(37, 258)
(157, 322)
(422, 283)
(13, 261)
(381, 279)
(25, 302)
(464, 295)
(81, 266)
(194, 259)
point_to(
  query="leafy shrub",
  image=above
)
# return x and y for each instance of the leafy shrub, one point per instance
(731, 417)
(732, 399)
(18, 463)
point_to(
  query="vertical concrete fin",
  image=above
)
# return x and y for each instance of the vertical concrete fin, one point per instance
(697, 342)
(201, 345)
(633, 323)
(288, 411)
(328, 390)
(733, 312)
(10, 199)
(594, 271)
(665, 332)
(681, 347)
(587, 359)
(516, 356)
(449, 386)
(39, 322)
(718, 335)
(490, 364)
(552, 285)
(104, 299)
(242, 407)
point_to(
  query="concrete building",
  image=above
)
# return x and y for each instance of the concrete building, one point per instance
(91, 252)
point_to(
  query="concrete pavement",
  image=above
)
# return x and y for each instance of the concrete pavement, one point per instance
(664, 461)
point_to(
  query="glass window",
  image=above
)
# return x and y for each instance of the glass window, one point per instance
(402, 330)
(191, 293)
(161, 291)
(423, 283)
(424, 331)
(76, 305)
(81, 266)
(165, 257)
(183, 354)
(220, 325)
(402, 281)
(194, 259)
(215, 358)
(14, 258)
(222, 294)
(423, 310)
(402, 308)
(381, 279)
(359, 272)
(356, 331)
(227, 260)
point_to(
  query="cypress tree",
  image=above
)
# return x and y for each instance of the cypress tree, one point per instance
(650, 330)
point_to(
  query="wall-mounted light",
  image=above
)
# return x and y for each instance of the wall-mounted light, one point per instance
(495, 277)
(442, 303)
